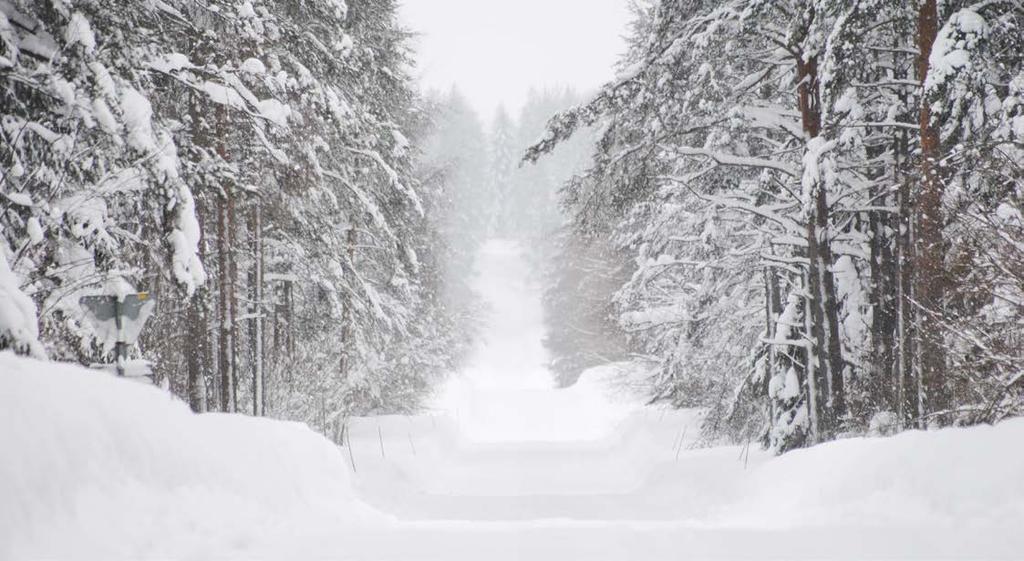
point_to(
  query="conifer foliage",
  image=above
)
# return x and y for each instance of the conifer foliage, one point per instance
(823, 200)
(252, 164)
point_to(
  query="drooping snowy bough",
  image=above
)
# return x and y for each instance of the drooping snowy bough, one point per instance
(823, 201)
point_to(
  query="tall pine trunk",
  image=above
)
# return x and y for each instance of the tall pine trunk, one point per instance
(196, 328)
(907, 392)
(196, 320)
(347, 317)
(223, 307)
(884, 286)
(256, 323)
(929, 274)
(225, 269)
(829, 392)
(884, 309)
(232, 327)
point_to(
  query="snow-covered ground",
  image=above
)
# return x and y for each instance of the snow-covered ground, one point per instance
(100, 468)
(506, 467)
(505, 392)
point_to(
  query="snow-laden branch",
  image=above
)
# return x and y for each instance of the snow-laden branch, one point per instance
(392, 176)
(726, 159)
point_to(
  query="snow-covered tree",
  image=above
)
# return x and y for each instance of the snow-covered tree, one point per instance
(784, 173)
(503, 158)
(248, 163)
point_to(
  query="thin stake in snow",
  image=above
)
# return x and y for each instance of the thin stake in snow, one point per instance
(682, 437)
(351, 458)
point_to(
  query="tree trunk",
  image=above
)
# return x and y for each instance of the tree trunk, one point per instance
(907, 395)
(196, 320)
(829, 302)
(193, 353)
(813, 377)
(232, 327)
(929, 279)
(224, 307)
(256, 323)
(823, 305)
(347, 318)
(883, 288)
(225, 339)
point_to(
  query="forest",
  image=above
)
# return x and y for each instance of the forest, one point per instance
(802, 217)
(819, 204)
(362, 280)
(254, 170)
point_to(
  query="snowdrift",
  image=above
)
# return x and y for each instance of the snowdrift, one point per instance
(636, 493)
(92, 466)
(645, 467)
(959, 479)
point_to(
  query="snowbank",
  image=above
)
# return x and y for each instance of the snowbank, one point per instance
(97, 467)
(18, 324)
(638, 494)
(94, 467)
(961, 480)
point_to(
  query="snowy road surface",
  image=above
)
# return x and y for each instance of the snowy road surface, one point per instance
(512, 468)
(506, 468)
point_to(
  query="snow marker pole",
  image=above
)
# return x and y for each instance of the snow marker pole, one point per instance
(682, 437)
(119, 350)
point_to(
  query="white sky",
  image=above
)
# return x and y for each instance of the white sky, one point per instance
(495, 50)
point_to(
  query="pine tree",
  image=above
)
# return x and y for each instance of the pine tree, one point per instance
(794, 140)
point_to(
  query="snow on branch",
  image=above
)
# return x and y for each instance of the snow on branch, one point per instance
(725, 159)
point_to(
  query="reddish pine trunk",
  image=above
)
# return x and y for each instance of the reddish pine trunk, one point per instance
(929, 281)
(809, 101)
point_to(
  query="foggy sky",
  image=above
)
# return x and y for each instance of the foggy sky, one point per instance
(495, 50)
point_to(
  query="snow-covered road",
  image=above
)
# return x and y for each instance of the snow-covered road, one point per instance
(510, 467)
(504, 444)
(506, 468)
